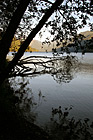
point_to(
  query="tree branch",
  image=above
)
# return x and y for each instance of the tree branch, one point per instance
(47, 1)
(26, 43)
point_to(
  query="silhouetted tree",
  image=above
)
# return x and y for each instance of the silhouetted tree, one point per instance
(3, 52)
(62, 27)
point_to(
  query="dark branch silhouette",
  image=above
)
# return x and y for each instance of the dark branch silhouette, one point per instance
(61, 68)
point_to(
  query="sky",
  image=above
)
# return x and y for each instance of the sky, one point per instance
(46, 34)
(86, 28)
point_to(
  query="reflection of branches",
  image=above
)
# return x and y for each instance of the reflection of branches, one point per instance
(63, 127)
(61, 68)
(65, 73)
(25, 98)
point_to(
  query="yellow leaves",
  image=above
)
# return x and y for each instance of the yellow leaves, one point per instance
(15, 45)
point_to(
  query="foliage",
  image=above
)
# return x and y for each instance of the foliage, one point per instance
(82, 43)
(7, 8)
(26, 102)
(66, 17)
(30, 18)
(61, 68)
(67, 20)
(15, 45)
(13, 124)
(61, 127)
(64, 23)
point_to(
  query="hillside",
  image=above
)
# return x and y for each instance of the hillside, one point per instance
(86, 43)
(37, 46)
(43, 48)
(88, 34)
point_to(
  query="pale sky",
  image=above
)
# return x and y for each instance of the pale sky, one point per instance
(46, 34)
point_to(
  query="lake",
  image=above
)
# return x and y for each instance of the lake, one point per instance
(49, 91)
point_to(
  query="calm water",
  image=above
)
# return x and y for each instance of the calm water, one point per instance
(49, 92)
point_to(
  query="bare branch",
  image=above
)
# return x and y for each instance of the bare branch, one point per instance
(47, 1)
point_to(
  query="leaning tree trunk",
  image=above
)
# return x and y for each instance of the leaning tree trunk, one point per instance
(9, 34)
(29, 39)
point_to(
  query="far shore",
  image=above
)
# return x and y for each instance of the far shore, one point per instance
(9, 57)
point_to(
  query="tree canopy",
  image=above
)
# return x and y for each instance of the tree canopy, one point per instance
(25, 19)
(67, 19)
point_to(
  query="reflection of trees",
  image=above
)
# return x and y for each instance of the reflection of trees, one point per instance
(24, 97)
(63, 127)
(66, 70)
(61, 68)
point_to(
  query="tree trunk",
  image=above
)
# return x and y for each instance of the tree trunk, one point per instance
(9, 34)
(29, 39)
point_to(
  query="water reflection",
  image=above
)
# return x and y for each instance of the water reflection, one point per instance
(61, 68)
(49, 76)
(62, 127)
(65, 70)
(26, 101)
